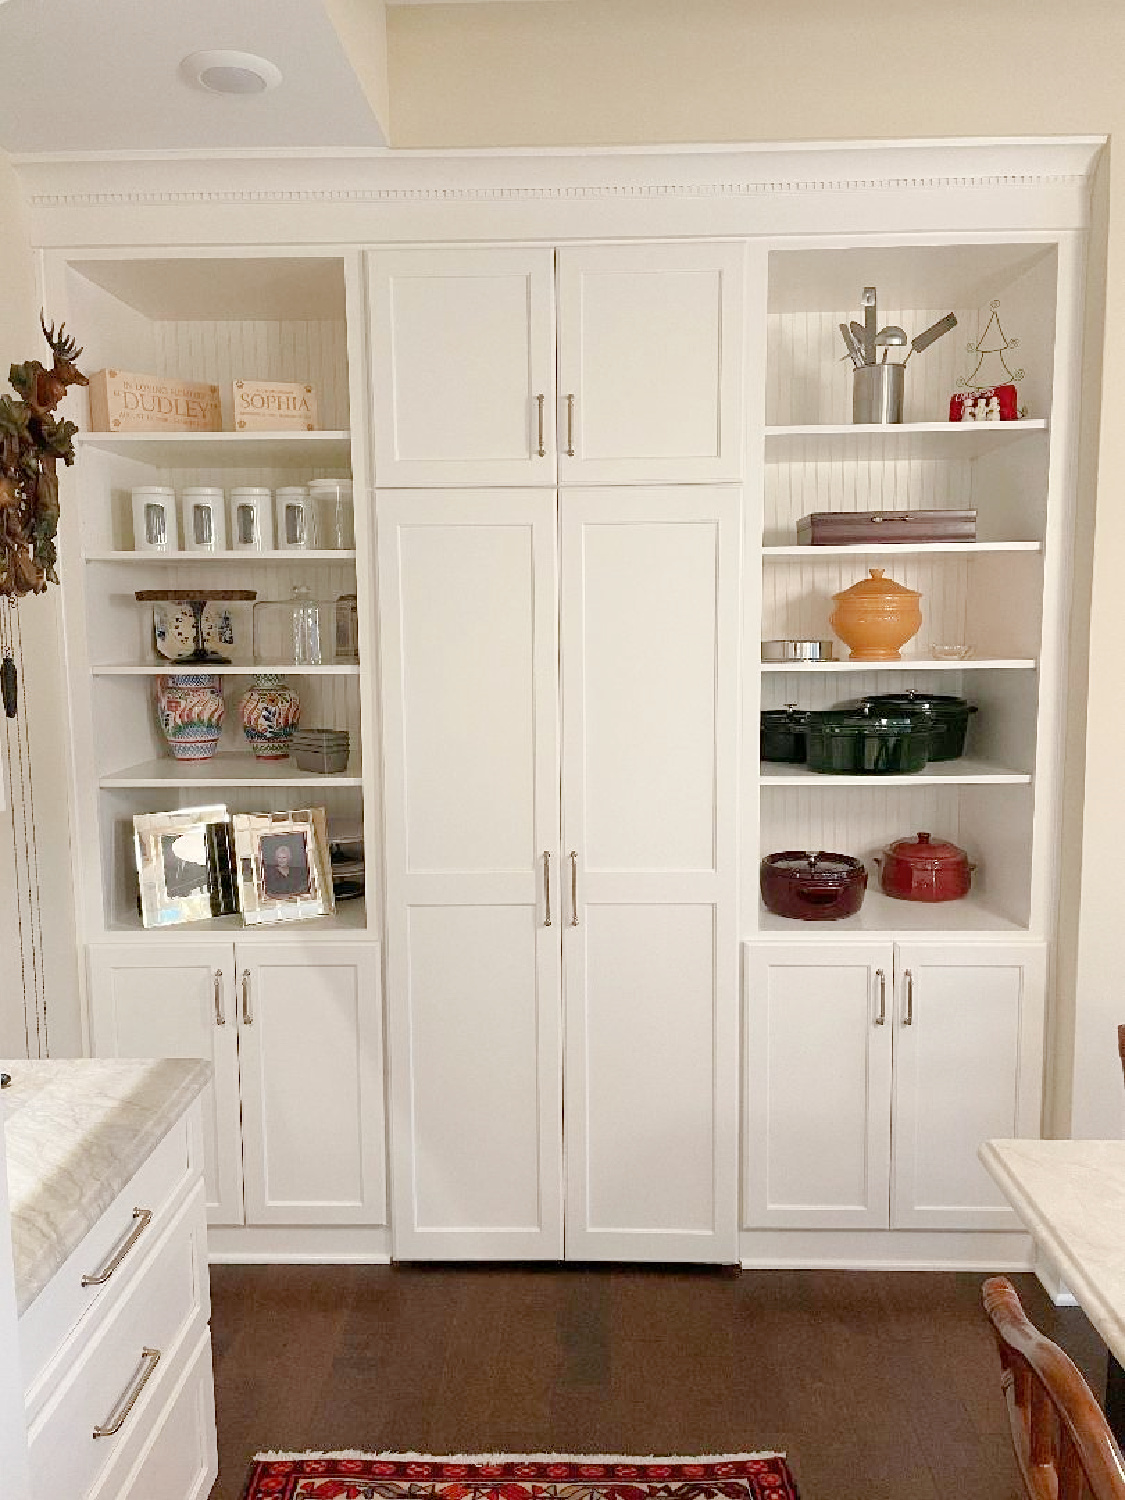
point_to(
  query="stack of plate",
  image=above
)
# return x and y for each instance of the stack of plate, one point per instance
(321, 750)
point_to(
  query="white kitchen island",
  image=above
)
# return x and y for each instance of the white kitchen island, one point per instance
(108, 1277)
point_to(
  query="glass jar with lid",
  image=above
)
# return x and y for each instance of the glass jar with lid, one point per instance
(335, 512)
(299, 631)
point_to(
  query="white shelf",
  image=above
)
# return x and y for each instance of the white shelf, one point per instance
(907, 664)
(163, 559)
(825, 442)
(229, 768)
(884, 915)
(801, 553)
(219, 450)
(168, 668)
(350, 917)
(961, 772)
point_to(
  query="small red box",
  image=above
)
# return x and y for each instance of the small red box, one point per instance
(1006, 395)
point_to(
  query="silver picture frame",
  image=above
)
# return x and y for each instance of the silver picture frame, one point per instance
(176, 864)
(284, 871)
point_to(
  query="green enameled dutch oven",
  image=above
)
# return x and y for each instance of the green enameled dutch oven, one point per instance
(784, 734)
(949, 714)
(851, 742)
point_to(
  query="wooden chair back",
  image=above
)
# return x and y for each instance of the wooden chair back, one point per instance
(1064, 1447)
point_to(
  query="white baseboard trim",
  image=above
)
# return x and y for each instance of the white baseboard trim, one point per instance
(299, 1244)
(986, 1251)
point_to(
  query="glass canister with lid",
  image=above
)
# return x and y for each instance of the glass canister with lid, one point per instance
(335, 513)
(299, 631)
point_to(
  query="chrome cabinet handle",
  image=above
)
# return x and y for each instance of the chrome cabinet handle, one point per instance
(542, 450)
(547, 887)
(124, 1404)
(142, 1218)
(247, 1013)
(881, 1018)
(220, 1019)
(570, 427)
(574, 888)
(908, 1013)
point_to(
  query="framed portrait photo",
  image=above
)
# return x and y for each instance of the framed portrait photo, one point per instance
(284, 874)
(182, 868)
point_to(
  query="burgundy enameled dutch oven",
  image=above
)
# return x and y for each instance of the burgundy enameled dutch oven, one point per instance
(924, 869)
(813, 887)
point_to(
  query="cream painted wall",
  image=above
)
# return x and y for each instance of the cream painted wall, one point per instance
(632, 72)
(26, 966)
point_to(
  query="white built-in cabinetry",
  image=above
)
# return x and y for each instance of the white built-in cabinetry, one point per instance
(586, 402)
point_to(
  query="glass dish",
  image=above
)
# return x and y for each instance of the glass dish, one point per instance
(951, 652)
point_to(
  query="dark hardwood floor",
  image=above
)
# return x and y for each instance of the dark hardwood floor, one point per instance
(879, 1386)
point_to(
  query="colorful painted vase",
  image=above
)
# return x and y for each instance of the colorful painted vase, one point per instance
(191, 711)
(270, 712)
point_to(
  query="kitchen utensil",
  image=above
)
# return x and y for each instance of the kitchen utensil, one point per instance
(947, 715)
(324, 751)
(924, 869)
(877, 392)
(838, 528)
(876, 616)
(197, 602)
(797, 650)
(812, 887)
(784, 734)
(868, 742)
(855, 352)
(931, 335)
(867, 302)
(890, 337)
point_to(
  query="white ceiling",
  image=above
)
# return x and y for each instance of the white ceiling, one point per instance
(101, 75)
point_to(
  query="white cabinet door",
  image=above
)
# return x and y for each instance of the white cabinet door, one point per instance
(468, 634)
(463, 366)
(178, 1001)
(650, 362)
(817, 1080)
(310, 1038)
(649, 651)
(968, 1067)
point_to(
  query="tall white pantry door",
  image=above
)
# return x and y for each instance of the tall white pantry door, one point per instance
(468, 621)
(649, 624)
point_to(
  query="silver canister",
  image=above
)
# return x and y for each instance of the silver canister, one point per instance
(877, 392)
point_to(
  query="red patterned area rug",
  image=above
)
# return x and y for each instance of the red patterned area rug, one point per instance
(398, 1476)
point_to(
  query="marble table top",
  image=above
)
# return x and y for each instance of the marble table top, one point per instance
(75, 1131)
(1071, 1197)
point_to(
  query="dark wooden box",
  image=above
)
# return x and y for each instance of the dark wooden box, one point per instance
(837, 528)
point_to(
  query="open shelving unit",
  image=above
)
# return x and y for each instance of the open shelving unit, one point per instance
(214, 318)
(1001, 595)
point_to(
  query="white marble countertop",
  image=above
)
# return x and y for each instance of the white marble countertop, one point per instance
(75, 1132)
(1071, 1197)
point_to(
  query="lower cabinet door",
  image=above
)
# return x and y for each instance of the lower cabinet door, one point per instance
(310, 1026)
(817, 1085)
(178, 1003)
(968, 1068)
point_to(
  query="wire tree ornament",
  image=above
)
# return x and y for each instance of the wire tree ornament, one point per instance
(992, 346)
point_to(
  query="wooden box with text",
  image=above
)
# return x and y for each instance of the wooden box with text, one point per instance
(274, 406)
(121, 401)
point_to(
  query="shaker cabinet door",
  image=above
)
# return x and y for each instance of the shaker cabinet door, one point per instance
(817, 1085)
(178, 1003)
(649, 689)
(650, 362)
(310, 1038)
(463, 366)
(968, 1068)
(468, 630)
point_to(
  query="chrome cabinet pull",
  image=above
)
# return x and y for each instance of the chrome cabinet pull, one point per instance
(881, 1018)
(574, 888)
(124, 1404)
(570, 427)
(247, 1013)
(220, 1019)
(547, 887)
(908, 1013)
(542, 450)
(142, 1218)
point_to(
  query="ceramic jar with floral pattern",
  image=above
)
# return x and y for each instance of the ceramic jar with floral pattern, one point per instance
(191, 711)
(270, 712)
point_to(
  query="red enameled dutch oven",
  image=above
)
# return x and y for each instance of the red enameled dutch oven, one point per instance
(924, 869)
(813, 887)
